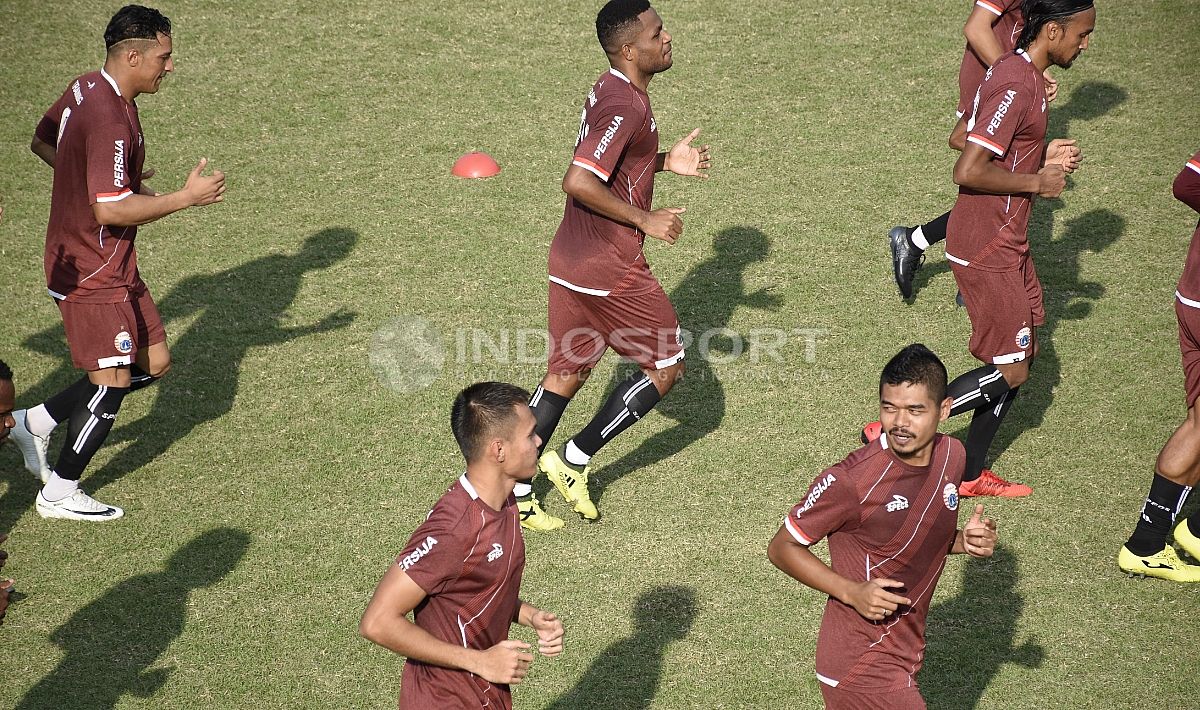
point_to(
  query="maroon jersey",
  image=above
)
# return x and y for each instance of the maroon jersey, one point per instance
(1006, 28)
(884, 519)
(99, 159)
(990, 232)
(618, 142)
(1187, 191)
(468, 558)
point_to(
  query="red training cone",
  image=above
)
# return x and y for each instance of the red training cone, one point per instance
(475, 165)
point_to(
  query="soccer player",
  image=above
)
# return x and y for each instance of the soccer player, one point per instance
(602, 293)
(1177, 470)
(1004, 163)
(461, 570)
(991, 30)
(92, 139)
(890, 512)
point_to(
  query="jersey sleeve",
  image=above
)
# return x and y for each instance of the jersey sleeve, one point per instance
(109, 161)
(998, 118)
(47, 128)
(1187, 184)
(607, 128)
(996, 7)
(829, 506)
(435, 553)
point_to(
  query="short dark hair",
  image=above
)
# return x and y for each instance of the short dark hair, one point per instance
(615, 21)
(5, 371)
(916, 365)
(135, 22)
(480, 410)
(1038, 12)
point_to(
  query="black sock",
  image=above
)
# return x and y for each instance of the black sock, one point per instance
(60, 406)
(984, 426)
(547, 408)
(88, 427)
(629, 402)
(139, 378)
(1194, 525)
(935, 229)
(1158, 513)
(978, 388)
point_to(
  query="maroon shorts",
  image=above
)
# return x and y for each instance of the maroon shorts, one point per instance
(643, 328)
(1189, 346)
(1004, 308)
(845, 699)
(103, 335)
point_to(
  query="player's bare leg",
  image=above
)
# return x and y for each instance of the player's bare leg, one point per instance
(1177, 471)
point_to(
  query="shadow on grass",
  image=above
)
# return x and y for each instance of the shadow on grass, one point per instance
(970, 637)
(626, 674)
(1087, 102)
(110, 644)
(705, 300)
(239, 309)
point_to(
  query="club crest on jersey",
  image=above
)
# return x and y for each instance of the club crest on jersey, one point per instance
(415, 556)
(1024, 337)
(950, 496)
(123, 342)
(496, 553)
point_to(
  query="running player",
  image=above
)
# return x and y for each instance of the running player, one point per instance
(92, 139)
(602, 293)
(1004, 163)
(1177, 470)
(890, 512)
(461, 570)
(991, 30)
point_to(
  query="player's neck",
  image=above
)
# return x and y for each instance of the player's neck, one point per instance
(1039, 55)
(124, 82)
(916, 459)
(491, 485)
(631, 72)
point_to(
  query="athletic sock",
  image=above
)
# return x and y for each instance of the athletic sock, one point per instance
(917, 238)
(933, 231)
(977, 388)
(1193, 523)
(1163, 502)
(575, 456)
(139, 378)
(984, 426)
(57, 487)
(629, 402)
(42, 419)
(547, 408)
(87, 428)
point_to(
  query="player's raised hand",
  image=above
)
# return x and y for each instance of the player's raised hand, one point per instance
(1051, 86)
(550, 632)
(205, 189)
(979, 534)
(873, 601)
(1065, 153)
(505, 663)
(686, 159)
(1052, 181)
(664, 224)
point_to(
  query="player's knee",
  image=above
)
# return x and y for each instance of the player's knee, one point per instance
(160, 368)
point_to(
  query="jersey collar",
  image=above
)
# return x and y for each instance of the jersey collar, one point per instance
(619, 75)
(111, 81)
(466, 484)
(1024, 55)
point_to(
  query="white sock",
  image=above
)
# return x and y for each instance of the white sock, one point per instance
(575, 457)
(918, 239)
(39, 422)
(522, 489)
(58, 488)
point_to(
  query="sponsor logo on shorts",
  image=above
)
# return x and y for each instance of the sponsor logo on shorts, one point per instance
(1024, 337)
(898, 503)
(950, 496)
(415, 556)
(815, 494)
(496, 553)
(123, 342)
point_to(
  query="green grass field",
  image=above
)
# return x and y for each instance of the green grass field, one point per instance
(323, 317)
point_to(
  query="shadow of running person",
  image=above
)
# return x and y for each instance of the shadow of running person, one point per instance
(108, 650)
(970, 636)
(240, 308)
(705, 300)
(1087, 102)
(626, 674)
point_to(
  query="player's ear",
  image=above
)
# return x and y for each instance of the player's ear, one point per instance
(496, 450)
(944, 409)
